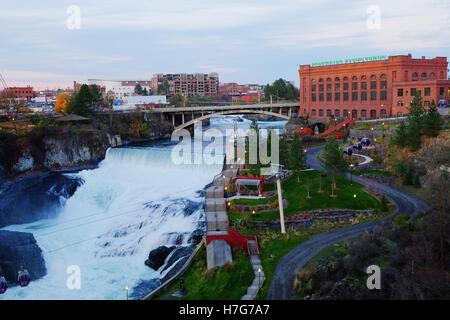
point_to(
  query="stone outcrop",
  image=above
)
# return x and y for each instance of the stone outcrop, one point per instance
(19, 250)
(56, 152)
(157, 257)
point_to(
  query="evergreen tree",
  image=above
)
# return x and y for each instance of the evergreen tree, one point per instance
(334, 163)
(81, 104)
(408, 178)
(416, 109)
(296, 158)
(253, 167)
(138, 89)
(432, 122)
(413, 139)
(284, 151)
(401, 135)
(384, 204)
(417, 181)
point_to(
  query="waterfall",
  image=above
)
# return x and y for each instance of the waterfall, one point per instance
(134, 202)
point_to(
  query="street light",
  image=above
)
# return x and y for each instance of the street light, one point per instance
(351, 176)
(354, 196)
(259, 277)
(126, 289)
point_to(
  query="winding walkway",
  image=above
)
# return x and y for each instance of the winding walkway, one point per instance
(281, 287)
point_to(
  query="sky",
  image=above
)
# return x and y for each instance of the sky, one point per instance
(45, 45)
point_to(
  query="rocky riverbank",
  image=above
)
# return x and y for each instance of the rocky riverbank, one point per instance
(19, 250)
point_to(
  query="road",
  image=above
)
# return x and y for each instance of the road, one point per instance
(281, 287)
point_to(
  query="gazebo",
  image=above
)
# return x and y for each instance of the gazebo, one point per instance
(250, 181)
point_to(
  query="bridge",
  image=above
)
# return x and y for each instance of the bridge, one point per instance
(185, 117)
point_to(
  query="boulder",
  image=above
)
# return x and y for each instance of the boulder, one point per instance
(17, 250)
(157, 257)
(178, 253)
(196, 237)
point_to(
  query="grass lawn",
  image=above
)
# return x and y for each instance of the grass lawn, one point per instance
(253, 202)
(215, 284)
(295, 193)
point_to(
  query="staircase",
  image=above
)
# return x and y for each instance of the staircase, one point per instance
(219, 236)
(258, 281)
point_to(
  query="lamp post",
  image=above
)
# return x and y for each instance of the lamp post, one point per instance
(351, 176)
(259, 277)
(126, 289)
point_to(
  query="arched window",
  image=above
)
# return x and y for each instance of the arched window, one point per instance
(373, 114)
(313, 112)
(320, 80)
(337, 79)
(354, 114)
(354, 78)
(383, 76)
(320, 112)
(432, 75)
(423, 75)
(363, 78)
(383, 113)
(313, 80)
(415, 75)
(373, 77)
(337, 113)
(329, 80)
(345, 78)
(363, 113)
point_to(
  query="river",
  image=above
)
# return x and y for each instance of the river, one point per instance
(134, 201)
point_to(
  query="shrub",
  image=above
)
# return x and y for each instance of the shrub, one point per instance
(408, 178)
(400, 168)
(228, 266)
(401, 219)
(417, 181)
(384, 204)
(378, 160)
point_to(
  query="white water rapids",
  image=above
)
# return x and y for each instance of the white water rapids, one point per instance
(135, 201)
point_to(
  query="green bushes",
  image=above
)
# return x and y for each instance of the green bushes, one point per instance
(401, 220)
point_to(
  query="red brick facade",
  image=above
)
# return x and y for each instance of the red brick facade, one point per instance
(372, 89)
(21, 92)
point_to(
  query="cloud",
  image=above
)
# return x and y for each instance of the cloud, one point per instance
(219, 69)
(404, 26)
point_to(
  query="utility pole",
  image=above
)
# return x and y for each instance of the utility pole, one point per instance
(280, 204)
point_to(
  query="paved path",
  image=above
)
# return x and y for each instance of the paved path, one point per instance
(281, 287)
(366, 159)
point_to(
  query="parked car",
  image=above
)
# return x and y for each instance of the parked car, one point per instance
(365, 142)
(348, 151)
(357, 146)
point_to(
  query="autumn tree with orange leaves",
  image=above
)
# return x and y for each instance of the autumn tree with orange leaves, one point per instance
(62, 101)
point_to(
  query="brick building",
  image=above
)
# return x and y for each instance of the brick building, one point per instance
(371, 89)
(188, 85)
(20, 92)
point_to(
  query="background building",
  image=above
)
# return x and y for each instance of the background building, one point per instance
(371, 89)
(20, 92)
(119, 88)
(188, 85)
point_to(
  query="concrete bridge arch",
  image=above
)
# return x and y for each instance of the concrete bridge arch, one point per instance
(231, 112)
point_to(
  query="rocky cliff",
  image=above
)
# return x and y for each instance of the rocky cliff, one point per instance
(19, 250)
(56, 152)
